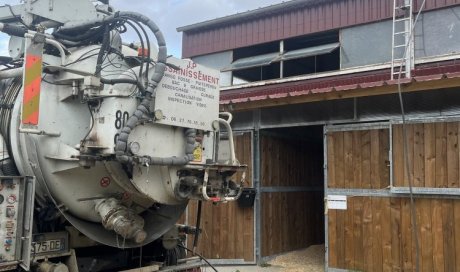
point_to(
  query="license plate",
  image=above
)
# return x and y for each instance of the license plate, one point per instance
(49, 246)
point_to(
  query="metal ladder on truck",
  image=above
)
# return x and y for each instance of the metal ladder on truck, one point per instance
(402, 52)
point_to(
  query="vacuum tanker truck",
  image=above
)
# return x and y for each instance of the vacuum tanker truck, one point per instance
(103, 142)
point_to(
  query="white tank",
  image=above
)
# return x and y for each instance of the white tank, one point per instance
(72, 152)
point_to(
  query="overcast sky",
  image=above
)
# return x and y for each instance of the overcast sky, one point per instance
(170, 14)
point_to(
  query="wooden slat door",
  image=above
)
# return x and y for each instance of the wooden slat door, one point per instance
(375, 232)
(433, 155)
(228, 230)
(359, 159)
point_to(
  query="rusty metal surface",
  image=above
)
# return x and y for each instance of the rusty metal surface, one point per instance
(287, 21)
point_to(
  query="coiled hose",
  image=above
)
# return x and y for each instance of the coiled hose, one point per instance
(7, 99)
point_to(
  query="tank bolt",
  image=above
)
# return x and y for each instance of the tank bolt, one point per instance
(158, 115)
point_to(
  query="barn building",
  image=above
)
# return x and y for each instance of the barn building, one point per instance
(313, 86)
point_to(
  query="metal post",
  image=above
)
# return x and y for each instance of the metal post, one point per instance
(258, 208)
(281, 62)
(326, 229)
(257, 186)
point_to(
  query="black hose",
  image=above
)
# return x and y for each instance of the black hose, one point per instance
(124, 80)
(8, 168)
(142, 45)
(201, 257)
(90, 34)
(144, 106)
(105, 45)
(149, 48)
(7, 100)
(197, 226)
(13, 30)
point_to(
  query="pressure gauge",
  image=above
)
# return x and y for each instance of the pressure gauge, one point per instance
(134, 147)
(11, 199)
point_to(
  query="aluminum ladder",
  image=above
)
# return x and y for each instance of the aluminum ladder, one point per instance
(402, 58)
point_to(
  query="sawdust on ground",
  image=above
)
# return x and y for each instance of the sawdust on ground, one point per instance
(306, 260)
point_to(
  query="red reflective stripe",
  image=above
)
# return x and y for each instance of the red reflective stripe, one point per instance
(31, 60)
(32, 90)
(31, 119)
(32, 85)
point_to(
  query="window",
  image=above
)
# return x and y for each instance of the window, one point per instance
(292, 57)
(311, 54)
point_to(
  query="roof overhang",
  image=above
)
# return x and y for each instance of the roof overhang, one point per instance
(298, 94)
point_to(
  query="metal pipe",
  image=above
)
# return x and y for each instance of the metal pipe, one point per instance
(229, 116)
(230, 140)
(54, 43)
(206, 197)
(39, 132)
(59, 47)
(190, 135)
(11, 73)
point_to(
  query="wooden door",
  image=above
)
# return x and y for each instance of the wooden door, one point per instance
(228, 230)
(374, 232)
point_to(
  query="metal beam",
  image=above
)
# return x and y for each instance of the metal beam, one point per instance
(426, 191)
(11, 13)
(354, 127)
(337, 270)
(403, 193)
(285, 189)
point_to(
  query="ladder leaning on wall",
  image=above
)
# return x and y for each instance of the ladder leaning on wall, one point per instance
(402, 52)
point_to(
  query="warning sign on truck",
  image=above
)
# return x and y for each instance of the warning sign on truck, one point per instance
(189, 96)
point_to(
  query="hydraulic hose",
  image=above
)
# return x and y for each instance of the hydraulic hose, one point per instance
(104, 47)
(8, 168)
(144, 106)
(11, 73)
(79, 37)
(190, 135)
(124, 80)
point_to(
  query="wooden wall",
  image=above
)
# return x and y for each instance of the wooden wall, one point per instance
(358, 159)
(228, 230)
(375, 232)
(291, 220)
(433, 155)
(288, 162)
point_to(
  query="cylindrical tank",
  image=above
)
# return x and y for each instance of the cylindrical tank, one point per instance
(69, 125)
(112, 152)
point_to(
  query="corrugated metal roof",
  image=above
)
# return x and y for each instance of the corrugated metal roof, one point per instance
(337, 84)
(287, 20)
(252, 13)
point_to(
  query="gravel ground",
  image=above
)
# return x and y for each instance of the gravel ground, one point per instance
(306, 260)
